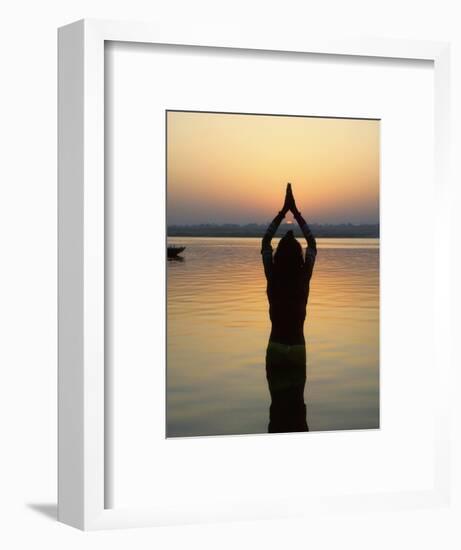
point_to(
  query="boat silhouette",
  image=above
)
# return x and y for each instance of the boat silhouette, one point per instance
(174, 251)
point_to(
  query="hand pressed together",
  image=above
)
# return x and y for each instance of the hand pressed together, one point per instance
(289, 203)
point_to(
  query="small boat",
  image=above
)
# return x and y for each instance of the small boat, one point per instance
(174, 251)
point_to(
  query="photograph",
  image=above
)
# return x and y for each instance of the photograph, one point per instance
(272, 273)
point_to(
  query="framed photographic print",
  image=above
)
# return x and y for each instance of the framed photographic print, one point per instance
(251, 320)
(236, 301)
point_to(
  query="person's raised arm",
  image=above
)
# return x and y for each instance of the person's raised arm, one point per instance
(311, 243)
(311, 251)
(271, 230)
(266, 248)
(274, 225)
(301, 221)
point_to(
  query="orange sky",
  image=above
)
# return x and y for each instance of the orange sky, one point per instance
(230, 168)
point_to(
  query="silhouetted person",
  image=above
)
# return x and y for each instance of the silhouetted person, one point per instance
(288, 275)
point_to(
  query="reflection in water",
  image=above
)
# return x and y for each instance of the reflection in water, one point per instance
(286, 377)
(218, 328)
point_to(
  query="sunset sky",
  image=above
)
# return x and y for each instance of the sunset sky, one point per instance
(230, 168)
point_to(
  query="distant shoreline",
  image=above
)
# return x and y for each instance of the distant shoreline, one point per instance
(338, 231)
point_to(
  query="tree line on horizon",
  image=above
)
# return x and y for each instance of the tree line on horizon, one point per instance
(342, 230)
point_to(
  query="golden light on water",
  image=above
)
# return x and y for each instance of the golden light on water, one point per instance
(218, 327)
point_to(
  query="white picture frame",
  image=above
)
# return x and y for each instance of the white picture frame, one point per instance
(82, 466)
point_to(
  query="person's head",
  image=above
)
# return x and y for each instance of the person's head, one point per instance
(288, 258)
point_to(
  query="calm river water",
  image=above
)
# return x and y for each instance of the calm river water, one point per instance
(218, 328)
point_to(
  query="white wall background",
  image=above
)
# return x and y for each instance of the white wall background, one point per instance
(28, 273)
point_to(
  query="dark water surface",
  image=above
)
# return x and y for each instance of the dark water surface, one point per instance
(218, 328)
